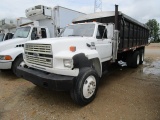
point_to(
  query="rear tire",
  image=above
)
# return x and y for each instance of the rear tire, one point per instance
(135, 59)
(16, 63)
(141, 54)
(86, 86)
(129, 59)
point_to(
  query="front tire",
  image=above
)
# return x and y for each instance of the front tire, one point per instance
(86, 86)
(16, 63)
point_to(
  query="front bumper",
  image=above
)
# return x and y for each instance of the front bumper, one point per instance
(5, 65)
(49, 81)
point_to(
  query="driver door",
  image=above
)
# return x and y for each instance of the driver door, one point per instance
(103, 45)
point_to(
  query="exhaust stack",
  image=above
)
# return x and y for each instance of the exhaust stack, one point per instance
(116, 17)
(116, 37)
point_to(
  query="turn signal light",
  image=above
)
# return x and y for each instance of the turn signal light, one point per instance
(72, 48)
(7, 57)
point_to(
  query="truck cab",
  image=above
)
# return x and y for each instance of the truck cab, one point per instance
(32, 32)
(101, 35)
(93, 39)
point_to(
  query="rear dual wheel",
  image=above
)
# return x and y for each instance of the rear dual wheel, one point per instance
(141, 54)
(136, 58)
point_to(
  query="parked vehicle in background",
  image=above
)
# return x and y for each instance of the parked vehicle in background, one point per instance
(46, 23)
(8, 28)
(76, 60)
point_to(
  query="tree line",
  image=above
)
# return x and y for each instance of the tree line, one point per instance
(154, 30)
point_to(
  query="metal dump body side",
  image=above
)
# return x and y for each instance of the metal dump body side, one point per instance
(133, 34)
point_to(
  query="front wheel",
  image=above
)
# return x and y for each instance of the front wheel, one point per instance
(18, 61)
(85, 87)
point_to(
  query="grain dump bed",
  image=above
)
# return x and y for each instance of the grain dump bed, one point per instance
(133, 34)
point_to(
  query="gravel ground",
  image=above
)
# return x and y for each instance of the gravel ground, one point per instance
(125, 94)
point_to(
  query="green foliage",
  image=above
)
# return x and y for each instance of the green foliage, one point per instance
(153, 26)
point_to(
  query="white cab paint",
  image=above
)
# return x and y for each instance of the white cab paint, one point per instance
(60, 50)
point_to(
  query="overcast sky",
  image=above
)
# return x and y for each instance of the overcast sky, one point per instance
(142, 10)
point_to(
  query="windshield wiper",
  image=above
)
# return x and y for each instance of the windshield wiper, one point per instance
(19, 36)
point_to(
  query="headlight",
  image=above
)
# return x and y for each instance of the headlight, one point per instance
(5, 57)
(68, 63)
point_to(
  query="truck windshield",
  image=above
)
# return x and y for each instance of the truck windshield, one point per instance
(84, 30)
(22, 32)
(1, 37)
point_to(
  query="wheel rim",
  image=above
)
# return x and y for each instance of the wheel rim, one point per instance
(89, 86)
(137, 59)
(22, 64)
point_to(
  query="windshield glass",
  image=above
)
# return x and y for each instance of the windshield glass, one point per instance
(84, 30)
(22, 32)
(1, 37)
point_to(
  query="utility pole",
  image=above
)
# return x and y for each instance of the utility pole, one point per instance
(97, 5)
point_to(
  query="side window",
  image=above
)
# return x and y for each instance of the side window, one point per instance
(34, 34)
(9, 36)
(6, 37)
(43, 33)
(102, 32)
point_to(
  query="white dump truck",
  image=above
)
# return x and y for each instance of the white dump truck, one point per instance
(8, 28)
(47, 22)
(76, 60)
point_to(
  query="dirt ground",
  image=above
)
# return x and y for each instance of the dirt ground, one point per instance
(125, 94)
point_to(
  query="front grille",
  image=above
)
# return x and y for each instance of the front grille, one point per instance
(39, 48)
(39, 54)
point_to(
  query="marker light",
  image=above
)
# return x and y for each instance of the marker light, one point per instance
(72, 48)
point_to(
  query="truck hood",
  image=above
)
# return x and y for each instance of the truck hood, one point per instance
(59, 40)
(63, 43)
(12, 43)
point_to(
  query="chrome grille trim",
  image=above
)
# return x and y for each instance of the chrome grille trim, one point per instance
(39, 54)
(39, 48)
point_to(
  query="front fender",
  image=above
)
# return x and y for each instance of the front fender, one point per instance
(13, 52)
(83, 58)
